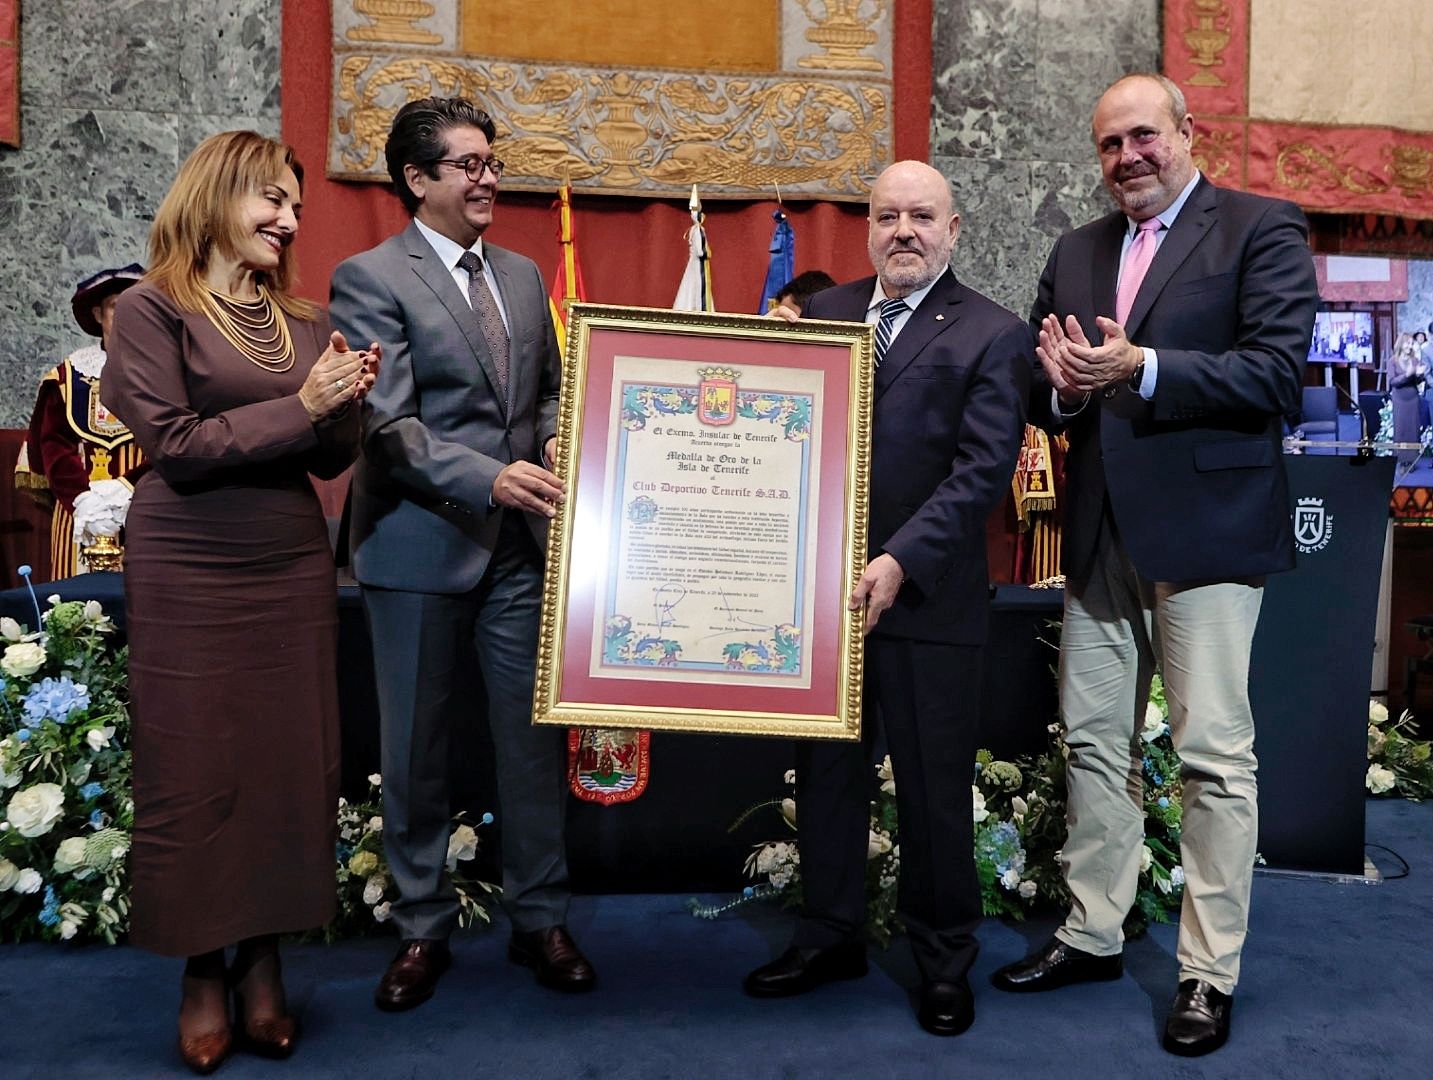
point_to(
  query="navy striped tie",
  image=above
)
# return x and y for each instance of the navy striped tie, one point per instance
(891, 310)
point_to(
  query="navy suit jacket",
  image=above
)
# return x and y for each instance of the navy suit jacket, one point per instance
(948, 419)
(1194, 477)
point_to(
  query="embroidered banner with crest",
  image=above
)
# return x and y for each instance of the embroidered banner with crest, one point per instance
(630, 97)
(1285, 105)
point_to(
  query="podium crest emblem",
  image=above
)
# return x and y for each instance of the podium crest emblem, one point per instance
(1313, 526)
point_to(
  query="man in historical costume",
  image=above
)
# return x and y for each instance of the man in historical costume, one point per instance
(1173, 335)
(451, 501)
(77, 450)
(952, 375)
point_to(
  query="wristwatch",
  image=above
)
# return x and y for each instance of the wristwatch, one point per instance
(1136, 379)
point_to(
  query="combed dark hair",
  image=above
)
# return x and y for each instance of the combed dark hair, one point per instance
(419, 136)
(803, 287)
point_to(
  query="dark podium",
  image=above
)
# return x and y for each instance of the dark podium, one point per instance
(1310, 668)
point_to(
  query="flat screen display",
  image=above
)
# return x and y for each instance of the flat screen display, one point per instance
(1342, 337)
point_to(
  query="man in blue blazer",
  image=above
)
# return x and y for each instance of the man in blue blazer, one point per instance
(953, 370)
(451, 499)
(1202, 303)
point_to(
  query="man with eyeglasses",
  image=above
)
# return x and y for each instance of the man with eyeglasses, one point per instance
(451, 500)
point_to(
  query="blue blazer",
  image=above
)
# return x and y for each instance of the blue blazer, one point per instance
(948, 419)
(1194, 477)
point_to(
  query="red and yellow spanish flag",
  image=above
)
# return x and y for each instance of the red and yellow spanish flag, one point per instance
(567, 284)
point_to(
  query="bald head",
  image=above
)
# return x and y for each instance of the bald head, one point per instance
(913, 227)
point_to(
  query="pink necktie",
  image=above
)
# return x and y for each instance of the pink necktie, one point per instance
(1137, 260)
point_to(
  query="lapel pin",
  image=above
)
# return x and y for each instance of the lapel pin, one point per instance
(940, 318)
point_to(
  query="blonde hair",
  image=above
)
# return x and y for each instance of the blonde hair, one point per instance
(200, 214)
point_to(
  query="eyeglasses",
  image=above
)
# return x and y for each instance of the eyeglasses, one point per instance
(473, 166)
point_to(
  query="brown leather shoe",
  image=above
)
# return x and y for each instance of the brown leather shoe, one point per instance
(559, 963)
(412, 975)
(274, 1038)
(205, 1053)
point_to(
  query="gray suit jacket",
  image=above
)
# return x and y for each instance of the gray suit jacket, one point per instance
(435, 430)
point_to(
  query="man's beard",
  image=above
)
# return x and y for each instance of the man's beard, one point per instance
(911, 278)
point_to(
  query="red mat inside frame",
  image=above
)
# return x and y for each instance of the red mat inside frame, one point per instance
(577, 686)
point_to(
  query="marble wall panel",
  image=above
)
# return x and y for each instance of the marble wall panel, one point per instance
(1417, 313)
(1081, 47)
(994, 252)
(1013, 88)
(195, 129)
(114, 93)
(41, 70)
(120, 54)
(229, 58)
(984, 83)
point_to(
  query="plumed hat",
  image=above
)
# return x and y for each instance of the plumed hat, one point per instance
(95, 288)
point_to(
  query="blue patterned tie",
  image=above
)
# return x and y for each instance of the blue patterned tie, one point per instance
(891, 310)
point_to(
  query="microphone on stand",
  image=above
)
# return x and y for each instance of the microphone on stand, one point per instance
(1365, 443)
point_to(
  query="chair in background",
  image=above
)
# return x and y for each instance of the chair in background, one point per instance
(1319, 421)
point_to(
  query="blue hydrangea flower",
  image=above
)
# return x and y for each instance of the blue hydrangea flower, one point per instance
(22, 735)
(92, 790)
(97, 819)
(54, 699)
(1158, 779)
(1163, 802)
(50, 913)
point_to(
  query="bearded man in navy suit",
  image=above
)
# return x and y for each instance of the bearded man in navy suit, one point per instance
(1173, 335)
(953, 370)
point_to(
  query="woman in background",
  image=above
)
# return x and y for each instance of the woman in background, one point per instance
(1407, 379)
(236, 390)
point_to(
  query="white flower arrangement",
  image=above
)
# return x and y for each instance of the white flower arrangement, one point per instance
(1399, 763)
(366, 892)
(64, 777)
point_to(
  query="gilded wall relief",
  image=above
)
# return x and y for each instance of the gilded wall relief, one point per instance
(617, 96)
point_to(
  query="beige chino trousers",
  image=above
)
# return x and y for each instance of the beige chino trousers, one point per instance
(1115, 631)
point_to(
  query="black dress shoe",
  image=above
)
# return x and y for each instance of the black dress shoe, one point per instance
(412, 975)
(559, 963)
(947, 1008)
(798, 970)
(1198, 1020)
(1054, 965)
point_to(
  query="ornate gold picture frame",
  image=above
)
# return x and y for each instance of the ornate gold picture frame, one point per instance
(698, 574)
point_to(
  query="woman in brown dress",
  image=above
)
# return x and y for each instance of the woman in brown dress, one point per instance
(236, 390)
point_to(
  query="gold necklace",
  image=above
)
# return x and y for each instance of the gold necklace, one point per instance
(255, 328)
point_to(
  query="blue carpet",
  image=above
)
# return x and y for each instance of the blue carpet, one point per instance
(1336, 984)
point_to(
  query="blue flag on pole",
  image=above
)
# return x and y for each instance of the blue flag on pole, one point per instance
(782, 267)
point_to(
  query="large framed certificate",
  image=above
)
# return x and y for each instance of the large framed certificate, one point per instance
(715, 525)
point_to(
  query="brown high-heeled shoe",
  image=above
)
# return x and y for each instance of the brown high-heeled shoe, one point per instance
(274, 1038)
(206, 976)
(205, 1053)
